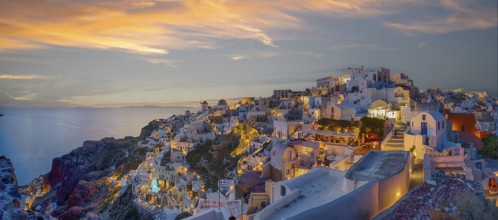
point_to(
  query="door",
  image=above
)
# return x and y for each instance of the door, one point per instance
(423, 126)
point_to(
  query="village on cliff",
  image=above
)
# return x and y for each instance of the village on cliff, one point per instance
(361, 144)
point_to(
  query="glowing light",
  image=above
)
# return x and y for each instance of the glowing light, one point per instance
(154, 189)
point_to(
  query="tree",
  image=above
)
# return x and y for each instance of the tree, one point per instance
(372, 125)
(490, 146)
(335, 125)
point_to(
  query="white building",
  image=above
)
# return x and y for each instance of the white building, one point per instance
(291, 159)
(284, 129)
(376, 182)
(432, 139)
(401, 79)
(182, 143)
(331, 83)
(314, 107)
(427, 130)
(281, 94)
(398, 96)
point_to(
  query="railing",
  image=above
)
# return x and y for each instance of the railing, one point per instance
(389, 135)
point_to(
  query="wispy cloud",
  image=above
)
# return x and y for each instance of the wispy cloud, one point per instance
(156, 26)
(364, 46)
(237, 57)
(421, 44)
(21, 77)
(464, 15)
(170, 63)
(25, 97)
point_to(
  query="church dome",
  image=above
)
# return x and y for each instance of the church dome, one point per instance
(223, 102)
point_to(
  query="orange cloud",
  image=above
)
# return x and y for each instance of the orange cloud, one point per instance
(22, 77)
(157, 26)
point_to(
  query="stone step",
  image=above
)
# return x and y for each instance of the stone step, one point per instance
(392, 148)
(396, 141)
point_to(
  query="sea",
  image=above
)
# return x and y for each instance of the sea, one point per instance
(32, 137)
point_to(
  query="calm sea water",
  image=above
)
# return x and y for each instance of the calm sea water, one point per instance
(32, 137)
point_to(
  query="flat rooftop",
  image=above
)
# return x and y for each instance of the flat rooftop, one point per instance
(378, 165)
(316, 188)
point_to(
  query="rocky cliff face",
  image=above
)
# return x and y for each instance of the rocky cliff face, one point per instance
(10, 199)
(79, 184)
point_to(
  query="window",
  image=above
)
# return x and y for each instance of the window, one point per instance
(438, 126)
(443, 124)
(290, 155)
(282, 190)
(287, 171)
(423, 117)
(292, 166)
(478, 166)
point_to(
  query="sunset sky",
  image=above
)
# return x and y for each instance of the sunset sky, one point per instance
(166, 52)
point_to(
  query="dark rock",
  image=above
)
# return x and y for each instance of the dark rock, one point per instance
(10, 198)
(72, 213)
(85, 192)
(78, 181)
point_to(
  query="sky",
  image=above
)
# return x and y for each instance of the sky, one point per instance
(168, 52)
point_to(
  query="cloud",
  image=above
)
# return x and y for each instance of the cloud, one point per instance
(25, 97)
(237, 57)
(155, 27)
(366, 46)
(422, 44)
(21, 77)
(463, 16)
(170, 63)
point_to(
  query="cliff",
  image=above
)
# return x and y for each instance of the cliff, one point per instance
(81, 184)
(10, 199)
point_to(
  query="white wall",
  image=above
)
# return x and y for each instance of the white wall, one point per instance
(359, 204)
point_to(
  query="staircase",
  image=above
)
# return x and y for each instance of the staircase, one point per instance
(396, 142)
